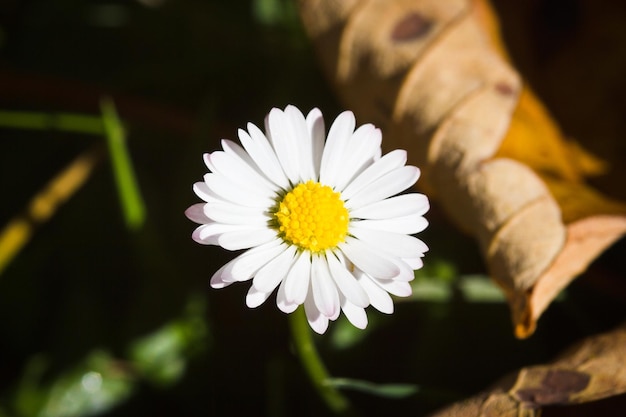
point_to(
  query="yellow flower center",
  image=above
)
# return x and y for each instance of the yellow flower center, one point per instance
(313, 217)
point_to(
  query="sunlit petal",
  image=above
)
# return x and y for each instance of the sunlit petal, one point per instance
(282, 302)
(398, 206)
(325, 292)
(273, 272)
(255, 297)
(317, 321)
(336, 147)
(195, 213)
(355, 314)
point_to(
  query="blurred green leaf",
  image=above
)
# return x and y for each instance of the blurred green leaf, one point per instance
(431, 290)
(100, 381)
(438, 269)
(29, 398)
(344, 335)
(127, 186)
(380, 390)
(162, 355)
(272, 12)
(480, 289)
(93, 387)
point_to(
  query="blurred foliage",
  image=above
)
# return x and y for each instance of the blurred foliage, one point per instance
(102, 319)
(99, 381)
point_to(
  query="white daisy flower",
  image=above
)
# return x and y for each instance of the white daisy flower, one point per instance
(319, 219)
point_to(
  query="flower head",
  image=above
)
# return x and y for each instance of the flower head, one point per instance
(319, 219)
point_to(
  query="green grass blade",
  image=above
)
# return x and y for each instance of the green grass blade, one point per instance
(65, 122)
(130, 198)
(380, 390)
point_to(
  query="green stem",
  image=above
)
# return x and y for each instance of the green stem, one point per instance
(312, 362)
(128, 189)
(65, 122)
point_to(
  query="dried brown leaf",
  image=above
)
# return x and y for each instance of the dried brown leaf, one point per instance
(429, 73)
(591, 370)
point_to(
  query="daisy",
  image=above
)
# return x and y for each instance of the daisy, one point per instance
(319, 219)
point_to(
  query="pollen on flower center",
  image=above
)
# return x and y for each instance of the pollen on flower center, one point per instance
(313, 217)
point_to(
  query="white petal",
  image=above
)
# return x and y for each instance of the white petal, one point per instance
(235, 193)
(272, 273)
(286, 131)
(219, 279)
(244, 239)
(298, 278)
(390, 184)
(209, 233)
(197, 236)
(237, 165)
(379, 298)
(395, 244)
(208, 195)
(406, 273)
(195, 213)
(315, 124)
(335, 149)
(300, 133)
(397, 288)
(317, 321)
(368, 260)
(414, 263)
(346, 282)
(203, 191)
(282, 303)
(255, 298)
(398, 206)
(206, 157)
(411, 224)
(236, 214)
(263, 155)
(363, 146)
(244, 266)
(355, 314)
(324, 290)
(244, 161)
(389, 162)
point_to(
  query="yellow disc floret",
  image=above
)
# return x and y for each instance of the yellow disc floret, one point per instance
(313, 217)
